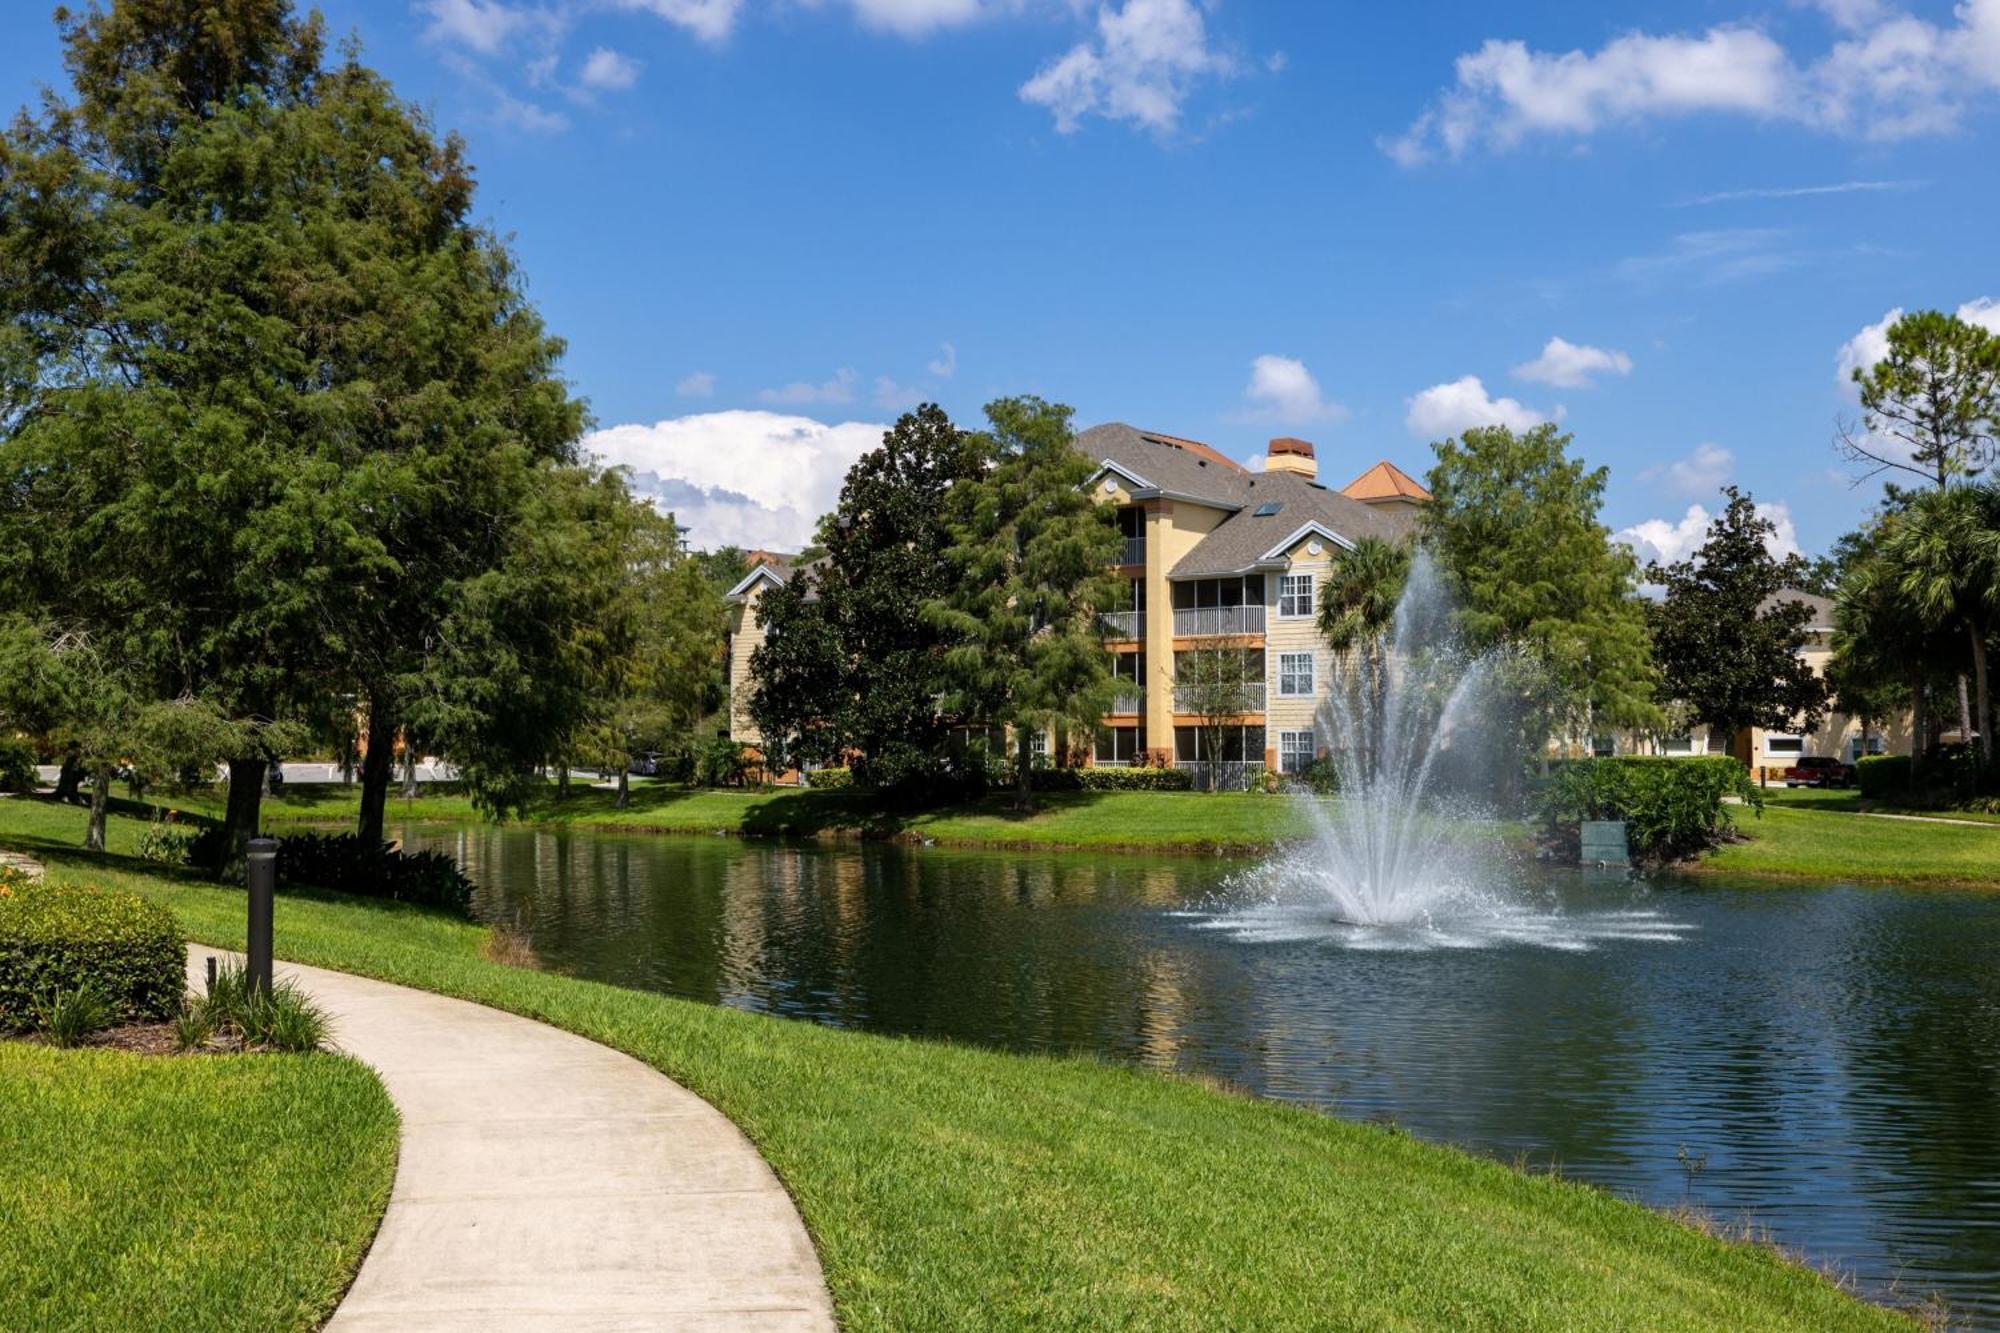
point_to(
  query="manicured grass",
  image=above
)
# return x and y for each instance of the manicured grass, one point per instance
(1184, 821)
(197, 1192)
(1820, 841)
(1849, 801)
(954, 1188)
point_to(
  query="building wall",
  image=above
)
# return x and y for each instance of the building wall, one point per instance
(744, 639)
(1294, 635)
(1173, 527)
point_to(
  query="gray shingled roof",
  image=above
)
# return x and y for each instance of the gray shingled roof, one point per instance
(1243, 538)
(1164, 467)
(1822, 607)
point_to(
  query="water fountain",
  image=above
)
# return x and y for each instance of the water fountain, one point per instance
(1409, 855)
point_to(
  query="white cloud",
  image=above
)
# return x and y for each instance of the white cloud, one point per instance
(607, 70)
(1803, 191)
(893, 397)
(1871, 344)
(1659, 539)
(1716, 256)
(1569, 365)
(839, 389)
(1283, 391)
(484, 26)
(1702, 472)
(1985, 312)
(742, 478)
(945, 364)
(1888, 75)
(523, 115)
(1143, 64)
(917, 18)
(700, 384)
(710, 20)
(1452, 409)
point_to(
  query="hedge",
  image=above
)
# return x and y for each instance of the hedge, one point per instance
(17, 764)
(345, 864)
(1672, 808)
(60, 937)
(1883, 776)
(1111, 779)
(830, 779)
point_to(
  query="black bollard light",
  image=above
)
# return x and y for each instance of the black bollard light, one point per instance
(262, 872)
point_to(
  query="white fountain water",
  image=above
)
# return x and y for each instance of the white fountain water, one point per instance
(1409, 856)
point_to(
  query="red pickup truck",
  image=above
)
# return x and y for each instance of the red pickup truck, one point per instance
(1819, 771)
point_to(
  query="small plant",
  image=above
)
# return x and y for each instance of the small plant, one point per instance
(1691, 1168)
(510, 945)
(168, 842)
(193, 1026)
(69, 1017)
(282, 1019)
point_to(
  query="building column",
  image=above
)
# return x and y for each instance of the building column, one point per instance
(1158, 642)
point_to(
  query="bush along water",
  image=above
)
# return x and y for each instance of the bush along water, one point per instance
(57, 940)
(1111, 779)
(344, 863)
(1672, 808)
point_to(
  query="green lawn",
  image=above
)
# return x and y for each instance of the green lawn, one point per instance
(1185, 821)
(1849, 801)
(954, 1188)
(1820, 840)
(201, 1192)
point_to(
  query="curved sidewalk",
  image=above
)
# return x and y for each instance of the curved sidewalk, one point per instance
(547, 1182)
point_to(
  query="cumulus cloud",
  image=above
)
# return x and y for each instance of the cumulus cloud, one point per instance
(1569, 365)
(1665, 541)
(1702, 472)
(700, 384)
(1144, 62)
(742, 478)
(1888, 75)
(606, 70)
(1282, 390)
(945, 364)
(917, 18)
(484, 26)
(710, 20)
(1454, 408)
(839, 389)
(1871, 344)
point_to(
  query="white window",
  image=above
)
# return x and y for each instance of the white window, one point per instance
(1296, 751)
(1677, 745)
(1295, 595)
(1774, 743)
(1038, 744)
(1295, 675)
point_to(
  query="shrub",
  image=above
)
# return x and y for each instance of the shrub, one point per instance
(722, 763)
(68, 1017)
(345, 864)
(1883, 776)
(280, 1019)
(17, 764)
(1111, 779)
(830, 779)
(168, 842)
(1672, 808)
(1321, 778)
(58, 938)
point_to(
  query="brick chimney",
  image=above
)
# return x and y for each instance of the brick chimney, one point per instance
(1291, 455)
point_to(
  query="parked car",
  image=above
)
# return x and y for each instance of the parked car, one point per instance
(1819, 771)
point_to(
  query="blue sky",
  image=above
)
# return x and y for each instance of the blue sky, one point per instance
(765, 226)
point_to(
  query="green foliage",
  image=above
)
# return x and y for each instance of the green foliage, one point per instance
(72, 1015)
(1942, 553)
(1936, 394)
(1883, 777)
(1321, 778)
(1029, 555)
(279, 1019)
(722, 763)
(1111, 779)
(192, 1024)
(169, 842)
(1736, 662)
(344, 863)
(1672, 808)
(58, 938)
(830, 779)
(17, 764)
(1514, 527)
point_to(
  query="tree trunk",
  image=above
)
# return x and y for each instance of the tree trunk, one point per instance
(1024, 761)
(1919, 713)
(1984, 694)
(1964, 712)
(69, 782)
(378, 767)
(100, 797)
(409, 770)
(243, 814)
(562, 781)
(624, 786)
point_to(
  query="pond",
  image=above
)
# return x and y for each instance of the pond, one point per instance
(1828, 1057)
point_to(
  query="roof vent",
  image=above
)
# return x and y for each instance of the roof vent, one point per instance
(1288, 454)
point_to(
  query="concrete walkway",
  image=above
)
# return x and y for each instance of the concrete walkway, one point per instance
(547, 1182)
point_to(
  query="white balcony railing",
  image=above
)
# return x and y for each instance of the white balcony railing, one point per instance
(1134, 552)
(1229, 774)
(1122, 624)
(1253, 699)
(1128, 701)
(1192, 623)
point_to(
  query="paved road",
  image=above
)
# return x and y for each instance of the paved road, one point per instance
(548, 1182)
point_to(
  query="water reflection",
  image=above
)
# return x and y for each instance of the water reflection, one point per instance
(1834, 1051)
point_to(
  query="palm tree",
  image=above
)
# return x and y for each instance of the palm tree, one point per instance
(1944, 554)
(1357, 607)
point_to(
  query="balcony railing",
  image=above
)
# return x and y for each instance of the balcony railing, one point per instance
(1134, 552)
(1128, 701)
(1192, 623)
(1253, 699)
(1122, 624)
(1230, 774)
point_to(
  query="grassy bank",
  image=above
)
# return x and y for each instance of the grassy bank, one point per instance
(210, 1192)
(953, 1188)
(1155, 821)
(1819, 840)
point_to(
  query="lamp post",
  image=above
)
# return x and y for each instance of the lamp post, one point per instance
(261, 869)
